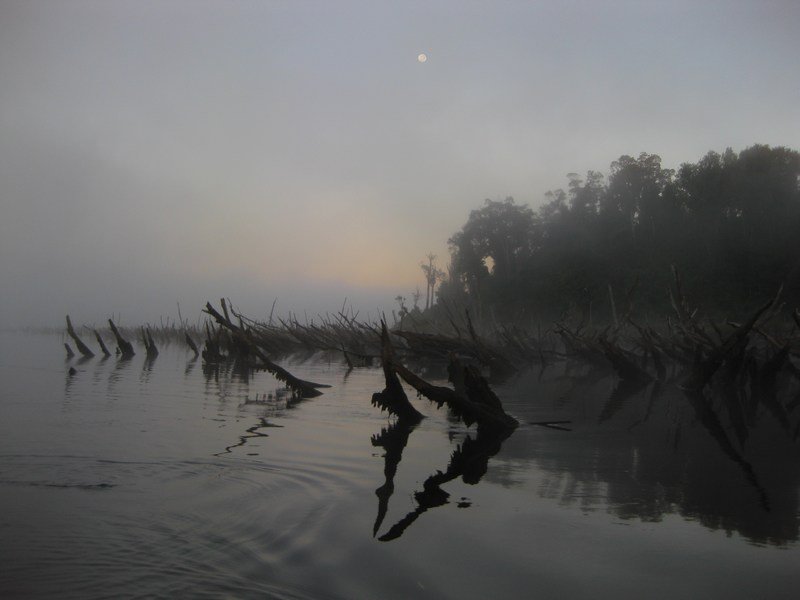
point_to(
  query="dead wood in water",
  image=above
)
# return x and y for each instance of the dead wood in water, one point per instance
(393, 397)
(82, 348)
(101, 343)
(149, 344)
(70, 353)
(704, 368)
(190, 342)
(124, 346)
(299, 387)
(473, 400)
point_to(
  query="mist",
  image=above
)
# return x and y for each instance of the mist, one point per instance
(157, 153)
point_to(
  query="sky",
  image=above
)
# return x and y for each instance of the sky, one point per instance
(163, 152)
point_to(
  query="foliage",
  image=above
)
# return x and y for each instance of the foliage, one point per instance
(728, 222)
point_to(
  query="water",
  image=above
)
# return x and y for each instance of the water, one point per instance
(132, 479)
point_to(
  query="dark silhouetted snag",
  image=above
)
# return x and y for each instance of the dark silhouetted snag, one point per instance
(124, 346)
(299, 387)
(149, 345)
(82, 348)
(190, 342)
(473, 401)
(101, 343)
(704, 368)
(393, 397)
(211, 349)
(70, 353)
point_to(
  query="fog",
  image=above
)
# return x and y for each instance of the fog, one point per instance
(158, 153)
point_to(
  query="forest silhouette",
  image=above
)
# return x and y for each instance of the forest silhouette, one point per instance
(728, 223)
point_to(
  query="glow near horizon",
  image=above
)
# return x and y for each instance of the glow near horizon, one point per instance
(190, 145)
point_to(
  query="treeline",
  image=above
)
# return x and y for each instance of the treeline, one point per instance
(730, 224)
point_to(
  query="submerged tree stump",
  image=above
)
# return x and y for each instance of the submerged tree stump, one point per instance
(82, 348)
(101, 343)
(149, 344)
(393, 397)
(124, 346)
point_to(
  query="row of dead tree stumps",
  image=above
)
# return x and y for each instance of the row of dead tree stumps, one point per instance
(124, 348)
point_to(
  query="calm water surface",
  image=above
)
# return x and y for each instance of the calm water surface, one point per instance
(135, 479)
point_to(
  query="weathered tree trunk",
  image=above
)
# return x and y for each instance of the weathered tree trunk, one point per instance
(102, 344)
(82, 348)
(393, 397)
(124, 346)
(149, 344)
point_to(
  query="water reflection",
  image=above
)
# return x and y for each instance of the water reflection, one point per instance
(393, 440)
(250, 432)
(726, 458)
(470, 461)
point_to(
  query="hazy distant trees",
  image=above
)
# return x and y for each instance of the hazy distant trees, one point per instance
(729, 222)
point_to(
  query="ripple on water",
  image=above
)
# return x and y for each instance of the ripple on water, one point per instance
(159, 528)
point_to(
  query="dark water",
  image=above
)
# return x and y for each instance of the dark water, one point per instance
(137, 479)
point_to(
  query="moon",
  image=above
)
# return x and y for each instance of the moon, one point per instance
(422, 57)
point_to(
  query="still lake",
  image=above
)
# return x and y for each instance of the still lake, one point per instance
(164, 479)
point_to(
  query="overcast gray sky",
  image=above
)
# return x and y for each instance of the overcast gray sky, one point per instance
(161, 151)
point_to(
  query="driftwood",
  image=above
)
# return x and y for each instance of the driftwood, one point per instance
(299, 387)
(82, 348)
(124, 347)
(472, 400)
(70, 353)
